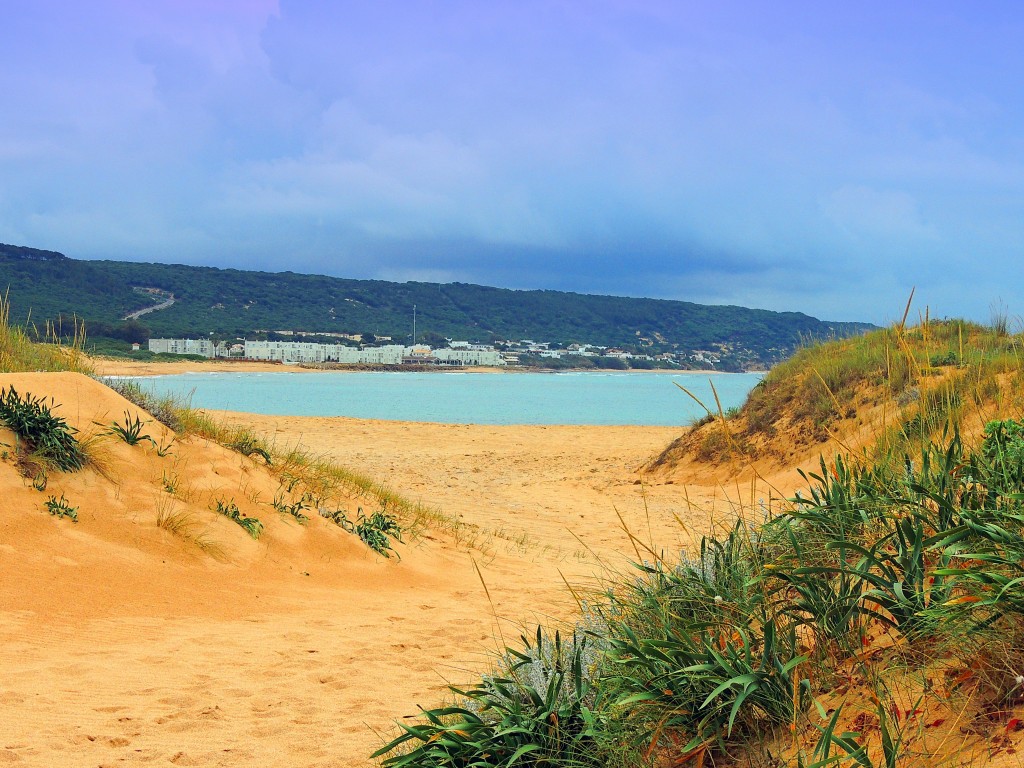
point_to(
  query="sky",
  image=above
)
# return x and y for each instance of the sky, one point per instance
(802, 156)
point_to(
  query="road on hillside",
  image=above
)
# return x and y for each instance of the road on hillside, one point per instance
(155, 308)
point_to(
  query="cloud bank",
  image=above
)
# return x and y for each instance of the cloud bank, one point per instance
(787, 156)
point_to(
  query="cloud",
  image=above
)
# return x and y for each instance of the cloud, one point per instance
(787, 156)
(888, 215)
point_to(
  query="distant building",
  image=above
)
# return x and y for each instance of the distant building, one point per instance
(202, 347)
(469, 357)
(312, 354)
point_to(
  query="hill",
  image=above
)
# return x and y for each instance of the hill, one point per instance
(231, 303)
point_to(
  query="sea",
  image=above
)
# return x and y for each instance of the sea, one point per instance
(600, 398)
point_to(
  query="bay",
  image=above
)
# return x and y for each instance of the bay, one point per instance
(600, 398)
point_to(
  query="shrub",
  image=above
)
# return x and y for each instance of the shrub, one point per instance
(537, 708)
(44, 434)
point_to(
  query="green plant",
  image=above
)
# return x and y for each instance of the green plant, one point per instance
(940, 359)
(826, 598)
(61, 508)
(1003, 452)
(538, 708)
(44, 434)
(131, 430)
(707, 681)
(250, 445)
(294, 509)
(850, 745)
(376, 531)
(165, 409)
(40, 480)
(230, 510)
(164, 448)
(170, 483)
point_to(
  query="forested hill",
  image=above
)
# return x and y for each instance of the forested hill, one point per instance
(230, 303)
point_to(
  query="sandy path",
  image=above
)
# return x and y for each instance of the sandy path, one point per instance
(540, 492)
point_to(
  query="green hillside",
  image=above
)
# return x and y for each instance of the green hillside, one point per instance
(227, 303)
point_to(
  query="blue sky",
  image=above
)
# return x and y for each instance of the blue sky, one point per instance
(819, 157)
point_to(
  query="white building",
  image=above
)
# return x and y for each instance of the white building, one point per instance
(311, 353)
(308, 352)
(469, 357)
(203, 347)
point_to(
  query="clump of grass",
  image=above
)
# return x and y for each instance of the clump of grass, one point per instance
(376, 531)
(230, 510)
(294, 509)
(840, 630)
(131, 430)
(170, 482)
(61, 508)
(182, 524)
(176, 522)
(249, 444)
(43, 434)
(59, 351)
(166, 409)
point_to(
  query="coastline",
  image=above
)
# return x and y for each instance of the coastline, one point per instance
(108, 366)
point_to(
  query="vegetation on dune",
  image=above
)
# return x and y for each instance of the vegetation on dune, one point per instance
(45, 442)
(877, 619)
(41, 434)
(902, 385)
(60, 350)
(874, 619)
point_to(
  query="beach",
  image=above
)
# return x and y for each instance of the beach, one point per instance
(126, 645)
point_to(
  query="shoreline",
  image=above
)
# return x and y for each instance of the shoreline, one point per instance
(106, 366)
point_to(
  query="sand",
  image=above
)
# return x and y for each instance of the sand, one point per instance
(125, 644)
(117, 367)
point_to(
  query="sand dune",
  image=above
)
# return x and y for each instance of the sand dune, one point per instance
(124, 644)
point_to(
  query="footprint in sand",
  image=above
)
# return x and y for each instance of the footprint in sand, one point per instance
(331, 681)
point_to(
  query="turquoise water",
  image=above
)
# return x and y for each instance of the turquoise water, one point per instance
(465, 398)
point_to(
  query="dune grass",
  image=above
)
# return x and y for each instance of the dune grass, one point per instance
(846, 629)
(183, 524)
(903, 384)
(45, 441)
(62, 349)
(875, 619)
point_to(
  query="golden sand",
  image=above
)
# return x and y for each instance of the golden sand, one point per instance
(125, 644)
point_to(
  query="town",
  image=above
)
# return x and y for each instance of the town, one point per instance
(456, 354)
